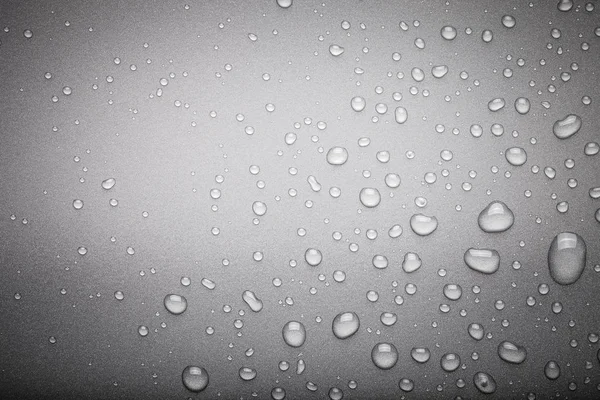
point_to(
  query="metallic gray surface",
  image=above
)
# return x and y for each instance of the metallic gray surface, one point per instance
(166, 166)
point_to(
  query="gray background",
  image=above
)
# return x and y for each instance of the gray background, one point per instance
(166, 166)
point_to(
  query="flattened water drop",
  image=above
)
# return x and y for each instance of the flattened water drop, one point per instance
(496, 104)
(252, 300)
(285, 3)
(423, 225)
(384, 355)
(485, 261)
(511, 352)
(247, 374)
(345, 325)
(195, 379)
(567, 127)
(336, 50)
(294, 333)
(567, 258)
(496, 217)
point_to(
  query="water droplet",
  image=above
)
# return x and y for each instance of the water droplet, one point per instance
(439, 71)
(516, 156)
(552, 370)
(384, 355)
(358, 103)
(522, 105)
(420, 354)
(259, 208)
(423, 225)
(294, 334)
(336, 50)
(253, 302)
(509, 21)
(195, 379)
(411, 262)
(567, 127)
(448, 32)
(485, 383)
(406, 385)
(313, 257)
(476, 331)
(496, 104)
(401, 115)
(175, 304)
(496, 217)
(370, 197)
(450, 362)
(511, 352)
(345, 325)
(78, 204)
(108, 184)
(337, 156)
(485, 261)
(452, 291)
(567, 258)
(247, 374)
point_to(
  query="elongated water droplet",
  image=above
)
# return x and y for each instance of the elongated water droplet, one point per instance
(567, 257)
(195, 379)
(108, 184)
(345, 325)
(337, 156)
(247, 374)
(496, 217)
(511, 352)
(496, 104)
(384, 355)
(485, 261)
(484, 382)
(567, 127)
(336, 50)
(314, 183)
(401, 115)
(476, 331)
(439, 71)
(253, 302)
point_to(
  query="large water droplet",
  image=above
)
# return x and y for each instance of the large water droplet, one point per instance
(370, 197)
(511, 352)
(108, 184)
(567, 127)
(476, 331)
(284, 3)
(567, 257)
(313, 257)
(384, 355)
(485, 383)
(496, 217)
(516, 156)
(401, 115)
(247, 374)
(485, 261)
(450, 362)
(345, 325)
(420, 354)
(259, 208)
(552, 370)
(175, 303)
(337, 156)
(195, 379)
(294, 333)
(423, 225)
(358, 103)
(411, 262)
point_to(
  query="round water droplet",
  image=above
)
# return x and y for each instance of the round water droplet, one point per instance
(423, 225)
(313, 257)
(509, 21)
(485, 383)
(384, 355)
(78, 204)
(345, 325)
(284, 3)
(406, 385)
(175, 304)
(370, 197)
(516, 156)
(337, 156)
(552, 370)
(476, 331)
(485, 261)
(247, 374)
(448, 32)
(567, 127)
(358, 103)
(496, 217)
(511, 352)
(294, 334)
(522, 105)
(452, 291)
(567, 258)
(450, 362)
(195, 379)
(392, 180)
(259, 208)
(420, 354)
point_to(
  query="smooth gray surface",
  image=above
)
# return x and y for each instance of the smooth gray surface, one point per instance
(165, 159)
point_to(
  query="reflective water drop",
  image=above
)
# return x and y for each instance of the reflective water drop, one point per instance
(485, 261)
(450, 362)
(485, 383)
(392, 180)
(411, 262)
(406, 385)
(423, 225)
(420, 354)
(401, 115)
(476, 331)
(337, 156)
(452, 291)
(345, 325)
(294, 334)
(313, 257)
(395, 231)
(552, 370)
(567, 127)
(516, 156)
(252, 300)
(314, 183)
(195, 379)
(370, 197)
(448, 32)
(496, 217)
(358, 103)
(439, 71)
(567, 258)
(522, 105)
(384, 355)
(78, 204)
(496, 104)
(247, 374)
(175, 304)
(284, 3)
(336, 50)
(259, 208)
(511, 352)
(509, 21)
(108, 184)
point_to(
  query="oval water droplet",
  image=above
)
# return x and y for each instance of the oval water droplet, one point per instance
(496, 217)
(450, 362)
(384, 355)
(420, 354)
(496, 104)
(345, 324)
(476, 331)
(484, 382)
(511, 352)
(552, 370)
(516, 156)
(485, 261)
(175, 304)
(567, 127)
(247, 374)
(294, 333)
(336, 50)
(108, 184)
(423, 225)
(567, 258)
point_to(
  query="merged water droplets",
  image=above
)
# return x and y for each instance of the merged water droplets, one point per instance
(567, 258)
(252, 300)
(567, 127)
